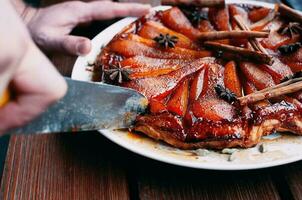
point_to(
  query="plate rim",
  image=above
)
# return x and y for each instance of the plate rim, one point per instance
(147, 153)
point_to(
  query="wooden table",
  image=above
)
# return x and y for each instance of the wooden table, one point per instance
(88, 166)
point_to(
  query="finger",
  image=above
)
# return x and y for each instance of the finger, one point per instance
(20, 111)
(74, 45)
(37, 85)
(107, 10)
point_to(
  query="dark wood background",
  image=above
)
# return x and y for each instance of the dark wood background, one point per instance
(88, 166)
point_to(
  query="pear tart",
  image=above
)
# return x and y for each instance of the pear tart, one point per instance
(208, 73)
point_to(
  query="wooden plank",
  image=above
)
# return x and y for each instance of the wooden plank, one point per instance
(89, 167)
(62, 166)
(163, 181)
(292, 176)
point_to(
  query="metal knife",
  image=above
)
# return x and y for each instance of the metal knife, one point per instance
(89, 106)
(296, 4)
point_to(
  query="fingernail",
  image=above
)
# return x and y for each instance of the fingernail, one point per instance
(81, 48)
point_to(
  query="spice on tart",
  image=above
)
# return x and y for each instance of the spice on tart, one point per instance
(290, 48)
(166, 40)
(225, 94)
(291, 29)
(197, 15)
(116, 74)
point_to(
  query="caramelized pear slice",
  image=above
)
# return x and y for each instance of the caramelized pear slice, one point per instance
(278, 70)
(179, 100)
(209, 106)
(137, 38)
(157, 106)
(236, 10)
(276, 40)
(213, 109)
(256, 76)
(161, 86)
(213, 76)
(197, 85)
(268, 24)
(145, 63)
(129, 48)
(219, 17)
(293, 60)
(143, 67)
(231, 78)
(258, 14)
(295, 66)
(177, 21)
(152, 29)
(249, 87)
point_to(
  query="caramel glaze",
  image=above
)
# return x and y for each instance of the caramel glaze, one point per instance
(185, 110)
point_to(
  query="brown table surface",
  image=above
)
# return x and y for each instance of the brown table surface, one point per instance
(88, 166)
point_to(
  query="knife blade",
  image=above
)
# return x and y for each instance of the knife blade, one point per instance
(296, 4)
(89, 106)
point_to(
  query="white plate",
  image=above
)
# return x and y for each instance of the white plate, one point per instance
(284, 149)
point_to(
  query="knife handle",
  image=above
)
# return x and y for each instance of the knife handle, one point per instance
(4, 98)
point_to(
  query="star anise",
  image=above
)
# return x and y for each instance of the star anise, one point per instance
(116, 74)
(167, 40)
(196, 16)
(290, 48)
(225, 94)
(291, 29)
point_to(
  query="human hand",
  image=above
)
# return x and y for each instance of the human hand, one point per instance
(50, 27)
(33, 80)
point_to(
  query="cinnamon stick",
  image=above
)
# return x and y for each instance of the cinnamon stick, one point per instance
(244, 53)
(270, 93)
(218, 35)
(200, 3)
(254, 42)
(290, 13)
(280, 85)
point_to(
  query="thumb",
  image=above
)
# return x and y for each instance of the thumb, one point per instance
(74, 45)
